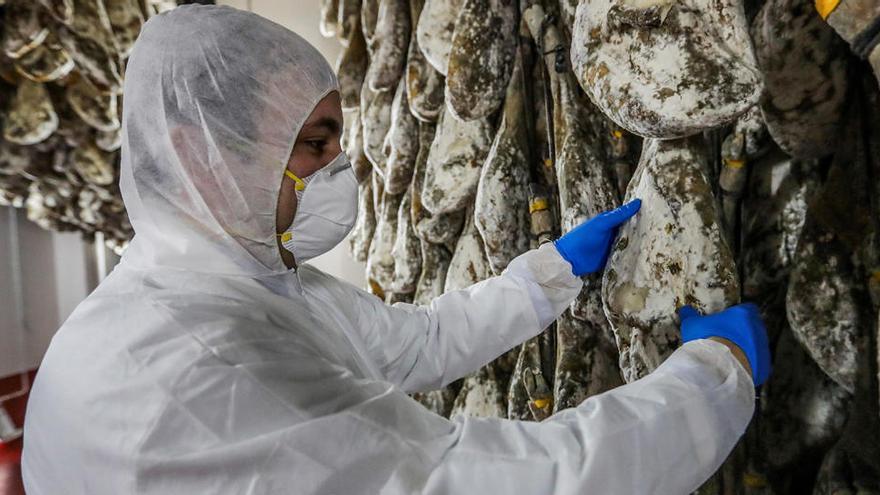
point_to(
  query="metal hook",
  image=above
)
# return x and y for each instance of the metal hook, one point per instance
(548, 19)
(539, 38)
(559, 50)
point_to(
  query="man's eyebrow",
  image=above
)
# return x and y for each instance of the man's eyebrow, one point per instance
(328, 123)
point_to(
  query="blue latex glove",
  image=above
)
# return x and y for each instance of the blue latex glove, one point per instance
(587, 246)
(740, 324)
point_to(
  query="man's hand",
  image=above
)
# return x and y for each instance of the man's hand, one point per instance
(739, 328)
(737, 353)
(587, 246)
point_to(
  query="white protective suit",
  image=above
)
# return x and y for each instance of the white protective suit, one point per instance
(202, 365)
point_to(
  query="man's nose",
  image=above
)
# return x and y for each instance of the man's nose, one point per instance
(336, 147)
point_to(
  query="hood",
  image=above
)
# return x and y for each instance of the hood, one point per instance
(214, 100)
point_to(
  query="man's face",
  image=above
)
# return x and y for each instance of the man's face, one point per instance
(318, 142)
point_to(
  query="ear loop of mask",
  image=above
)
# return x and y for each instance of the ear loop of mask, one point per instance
(300, 184)
(299, 187)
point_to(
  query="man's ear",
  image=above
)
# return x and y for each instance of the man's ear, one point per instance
(177, 135)
(187, 142)
(195, 162)
(192, 152)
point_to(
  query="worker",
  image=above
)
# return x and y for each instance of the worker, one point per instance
(212, 360)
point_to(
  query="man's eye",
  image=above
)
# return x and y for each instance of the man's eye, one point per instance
(317, 145)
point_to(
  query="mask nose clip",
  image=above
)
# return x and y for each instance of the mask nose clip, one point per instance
(339, 168)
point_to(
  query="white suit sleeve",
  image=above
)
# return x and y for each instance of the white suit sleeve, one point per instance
(664, 434)
(422, 348)
(293, 423)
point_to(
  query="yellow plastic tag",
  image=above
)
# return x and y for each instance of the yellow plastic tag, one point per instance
(541, 403)
(826, 7)
(300, 185)
(735, 164)
(548, 162)
(537, 205)
(753, 480)
(285, 236)
(617, 134)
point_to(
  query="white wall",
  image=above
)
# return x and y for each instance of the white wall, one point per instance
(44, 275)
(12, 345)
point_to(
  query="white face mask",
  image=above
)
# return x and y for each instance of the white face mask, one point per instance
(326, 209)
